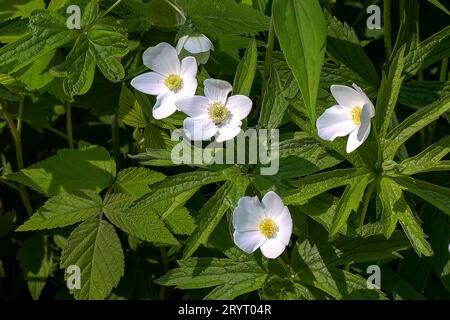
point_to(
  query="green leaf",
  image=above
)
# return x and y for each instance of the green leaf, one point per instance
(344, 46)
(224, 17)
(349, 201)
(10, 9)
(395, 208)
(281, 87)
(245, 73)
(433, 49)
(102, 45)
(136, 181)
(95, 248)
(181, 222)
(130, 110)
(428, 159)
(439, 5)
(70, 170)
(64, 210)
(224, 199)
(36, 259)
(395, 285)
(389, 90)
(420, 94)
(436, 195)
(234, 278)
(301, 30)
(418, 120)
(440, 240)
(143, 223)
(313, 185)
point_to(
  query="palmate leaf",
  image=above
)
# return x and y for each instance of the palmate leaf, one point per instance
(145, 224)
(95, 248)
(88, 168)
(245, 73)
(224, 17)
(231, 277)
(224, 199)
(301, 30)
(395, 208)
(63, 210)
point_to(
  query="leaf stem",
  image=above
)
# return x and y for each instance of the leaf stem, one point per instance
(444, 67)
(283, 264)
(16, 131)
(110, 8)
(269, 52)
(69, 124)
(176, 8)
(387, 28)
(366, 202)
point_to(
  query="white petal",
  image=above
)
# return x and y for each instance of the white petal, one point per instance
(189, 88)
(150, 83)
(228, 133)
(164, 106)
(162, 58)
(347, 97)
(335, 122)
(248, 241)
(248, 214)
(180, 43)
(193, 106)
(240, 106)
(284, 223)
(272, 248)
(357, 137)
(197, 44)
(188, 68)
(367, 100)
(217, 90)
(272, 204)
(199, 128)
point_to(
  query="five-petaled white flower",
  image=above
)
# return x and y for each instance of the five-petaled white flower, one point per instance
(169, 81)
(350, 117)
(266, 225)
(197, 45)
(214, 112)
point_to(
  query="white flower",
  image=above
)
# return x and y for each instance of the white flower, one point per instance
(350, 117)
(214, 112)
(169, 81)
(266, 225)
(195, 44)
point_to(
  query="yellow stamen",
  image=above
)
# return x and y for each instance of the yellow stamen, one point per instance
(356, 115)
(217, 112)
(174, 82)
(268, 228)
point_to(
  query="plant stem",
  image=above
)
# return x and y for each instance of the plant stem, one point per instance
(16, 132)
(443, 73)
(283, 264)
(269, 51)
(115, 139)
(110, 8)
(176, 8)
(366, 202)
(69, 124)
(387, 28)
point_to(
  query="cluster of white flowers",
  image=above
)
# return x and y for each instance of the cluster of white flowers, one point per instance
(267, 224)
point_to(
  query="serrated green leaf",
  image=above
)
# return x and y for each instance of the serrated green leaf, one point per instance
(245, 73)
(420, 94)
(70, 170)
(349, 201)
(224, 17)
(438, 196)
(10, 9)
(224, 199)
(301, 30)
(143, 223)
(313, 185)
(181, 222)
(428, 159)
(136, 181)
(130, 110)
(233, 277)
(439, 5)
(95, 248)
(418, 120)
(64, 210)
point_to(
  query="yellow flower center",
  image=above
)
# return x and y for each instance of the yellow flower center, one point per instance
(174, 82)
(356, 115)
(217, 112)
(268, 228)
